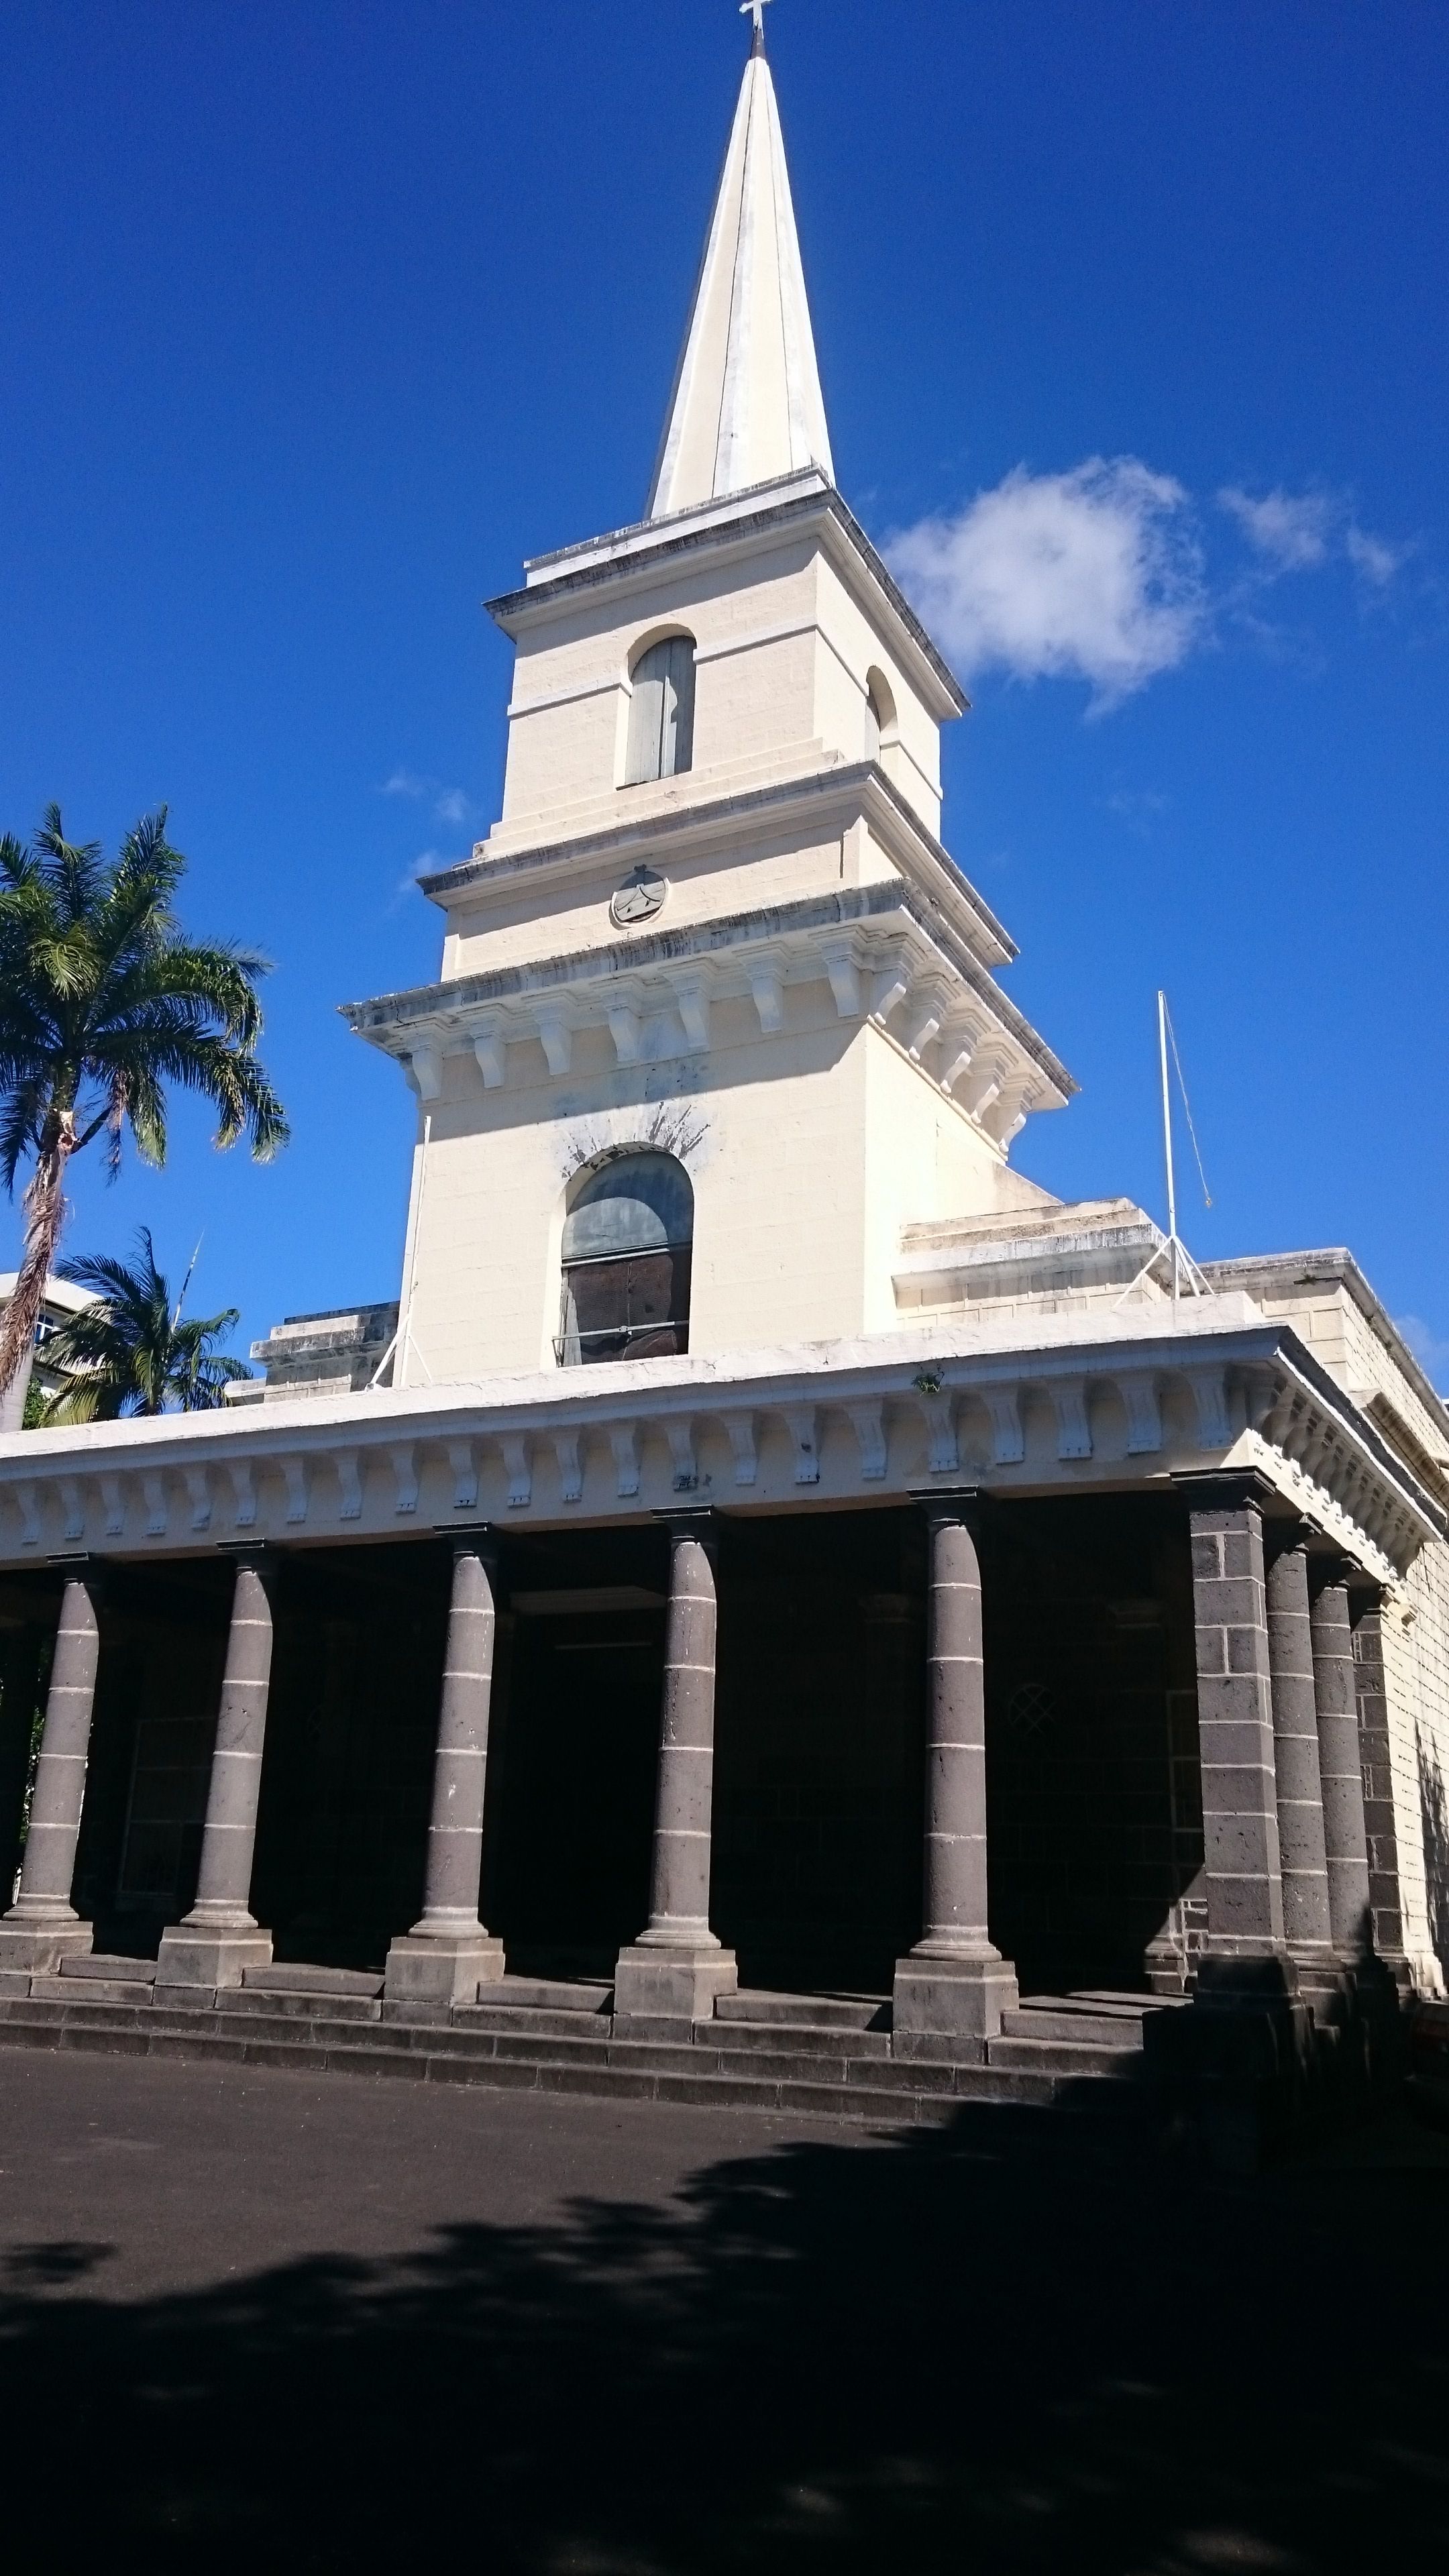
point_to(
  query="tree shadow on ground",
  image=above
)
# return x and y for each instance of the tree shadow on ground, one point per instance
(1013, 2345)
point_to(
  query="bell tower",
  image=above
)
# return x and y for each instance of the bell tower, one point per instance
(714, 927)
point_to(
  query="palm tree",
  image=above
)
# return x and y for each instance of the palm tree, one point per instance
(128, 1353)
(103, 1002)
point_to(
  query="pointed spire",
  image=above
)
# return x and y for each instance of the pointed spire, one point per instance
(747, 404)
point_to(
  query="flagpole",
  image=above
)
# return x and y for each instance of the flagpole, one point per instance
(1167, 1142)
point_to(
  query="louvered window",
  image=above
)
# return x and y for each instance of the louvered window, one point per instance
(661, 717)
(627, 1249)
(880, 714)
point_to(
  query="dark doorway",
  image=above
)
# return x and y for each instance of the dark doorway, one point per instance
(28, 1614)
(574, 1750)
(1094, 1808)
(574, 1797)
(352, 1730)
(818, 1747)
(158, 1686)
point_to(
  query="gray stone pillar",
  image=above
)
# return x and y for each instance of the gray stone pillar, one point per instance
(1306, 1920)
(448, 1954)
(42, 1926)
(1242, 1866)
(675, 1969)
(1345, 1836)
(220, 1938)
(951, 1991)
(1381, 1830)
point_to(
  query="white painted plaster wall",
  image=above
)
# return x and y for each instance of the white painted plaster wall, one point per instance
(811, 1149)
(783, 654)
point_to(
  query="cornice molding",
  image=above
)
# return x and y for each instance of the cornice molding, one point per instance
(814, 935)
(632, 558)
(858, 791)
(915, 1413)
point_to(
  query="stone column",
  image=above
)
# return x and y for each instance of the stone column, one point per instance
(675, 1969)
(1244, 1945)
(953, 1987)
(42, 1926)
(1345, 1836)
(1380, 1822)
(220, 1938)
(1306, 1921)
(448, 1954)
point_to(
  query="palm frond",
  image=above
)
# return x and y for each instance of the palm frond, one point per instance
(106, 1003)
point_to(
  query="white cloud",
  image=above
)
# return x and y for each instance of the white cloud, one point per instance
(1431, 1354)
(1089, 575)
(450, 804)
(1290, 528)
(1374, 557)
(1138, 807)
(428, 863)
(1302, 531)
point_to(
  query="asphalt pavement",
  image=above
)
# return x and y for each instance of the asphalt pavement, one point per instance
(281, 2322)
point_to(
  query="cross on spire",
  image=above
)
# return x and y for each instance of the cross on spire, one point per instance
(756, 9)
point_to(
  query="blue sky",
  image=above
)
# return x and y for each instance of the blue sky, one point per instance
(320, 316)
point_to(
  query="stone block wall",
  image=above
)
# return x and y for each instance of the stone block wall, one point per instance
(1325, 1302)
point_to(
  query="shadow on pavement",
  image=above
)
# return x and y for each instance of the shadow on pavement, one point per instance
(1000, 2347)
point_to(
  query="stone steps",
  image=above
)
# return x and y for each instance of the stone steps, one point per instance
(298, 2003)
(110, 1968)
(708, 2070)
(1058, 2018)
(298, 1978)
(818, 2012)
(97, 1989)
(532, 2021)
(807, 2038)
(1066, 2056)
(551, 1994)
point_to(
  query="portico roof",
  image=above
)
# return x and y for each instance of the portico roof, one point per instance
(1123, 1400)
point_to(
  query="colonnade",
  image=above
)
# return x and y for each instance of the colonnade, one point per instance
(1291, 1874)
(1287, 1860)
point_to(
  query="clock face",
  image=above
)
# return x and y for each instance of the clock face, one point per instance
(638, 898)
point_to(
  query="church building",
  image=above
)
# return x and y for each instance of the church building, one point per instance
(780, 1607)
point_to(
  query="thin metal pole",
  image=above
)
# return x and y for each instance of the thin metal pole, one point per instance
(1167, 1143)
(405, 1342)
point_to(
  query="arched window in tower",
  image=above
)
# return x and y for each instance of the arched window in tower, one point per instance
(661, 715)
(880, 714)
(627, 1244)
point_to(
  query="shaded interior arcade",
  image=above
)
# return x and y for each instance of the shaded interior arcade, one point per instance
(1092, 1759)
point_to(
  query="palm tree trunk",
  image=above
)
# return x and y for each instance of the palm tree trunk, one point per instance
(45, 1214)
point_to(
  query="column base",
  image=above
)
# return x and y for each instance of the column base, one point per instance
(662, 1989)
(193, 1955)
(441, 1968)
(1322, 1981)
(34, 1946)
(946, 2006)
(1166, 1966)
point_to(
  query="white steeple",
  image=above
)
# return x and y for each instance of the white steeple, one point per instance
(747, 404)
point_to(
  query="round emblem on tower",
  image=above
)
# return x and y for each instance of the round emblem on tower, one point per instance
(638, 898)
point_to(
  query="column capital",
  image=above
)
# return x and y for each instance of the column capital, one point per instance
(965, 1503)
(86, 1568)
(1215, 1489)
(256, 1556)
(690, 1520)
(1329, 1570)
(471, 1538)
(1282, 1536)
